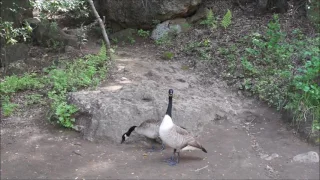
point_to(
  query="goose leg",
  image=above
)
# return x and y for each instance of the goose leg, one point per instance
(152, 149)
(172, 161)
(163, 147)
(178, 157)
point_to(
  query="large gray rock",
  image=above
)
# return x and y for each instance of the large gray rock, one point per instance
(309, 157)
(108, 113)
(142, 14)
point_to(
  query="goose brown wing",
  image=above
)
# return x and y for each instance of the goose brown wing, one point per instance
(189, 139)
(182, 131)
(196, 144)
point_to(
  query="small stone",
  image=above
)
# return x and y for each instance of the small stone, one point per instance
(309, 157)
(272, 156)
(77, 152)
(124, 79)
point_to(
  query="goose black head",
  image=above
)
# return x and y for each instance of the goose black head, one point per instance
(127, 134)
(170, 92)
(124, 137)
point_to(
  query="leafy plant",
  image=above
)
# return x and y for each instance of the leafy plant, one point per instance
(64, 112)
(34, 99)
(156, 21)
(143, 33)
(164, 40)
(131, 40)
(115, 40)
(226, 20)
(274, 34)
(202, 49)
(168, 55)
(81, 73)
(210, 20)
(12, 84)
(7, 106)
(12, 35)
(50, 8)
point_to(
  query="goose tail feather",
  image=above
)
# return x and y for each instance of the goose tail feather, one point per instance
(204, 150)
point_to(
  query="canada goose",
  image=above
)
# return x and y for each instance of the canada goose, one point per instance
(176, 137)
(148, 128)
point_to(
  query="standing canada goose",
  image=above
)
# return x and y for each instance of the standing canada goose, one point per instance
(148, 128)
(176, 137)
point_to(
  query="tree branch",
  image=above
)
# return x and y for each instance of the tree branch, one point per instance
(104, 33)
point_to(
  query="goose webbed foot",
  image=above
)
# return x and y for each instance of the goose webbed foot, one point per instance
(152, 149)
(168, 160)
(171, 161)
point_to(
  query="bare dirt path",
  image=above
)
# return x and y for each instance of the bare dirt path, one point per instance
(244, 140)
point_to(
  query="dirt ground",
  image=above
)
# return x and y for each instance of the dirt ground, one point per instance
(256, 145)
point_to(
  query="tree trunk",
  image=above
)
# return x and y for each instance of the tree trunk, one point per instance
(104, 33)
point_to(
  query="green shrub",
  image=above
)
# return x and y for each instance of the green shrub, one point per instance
(80, 73)
(7, 107)
(12, 84)
(166, 40)
(284, 73)
(131, 40)
(143, 33)
(34, 99)
(13, 35)
(72, 8)
(168, 55)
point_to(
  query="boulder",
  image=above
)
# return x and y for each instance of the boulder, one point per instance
(108, 112)
(174, 26)
(142, 14)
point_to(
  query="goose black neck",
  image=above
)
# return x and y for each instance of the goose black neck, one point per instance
(130, 130)
(169, 109)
